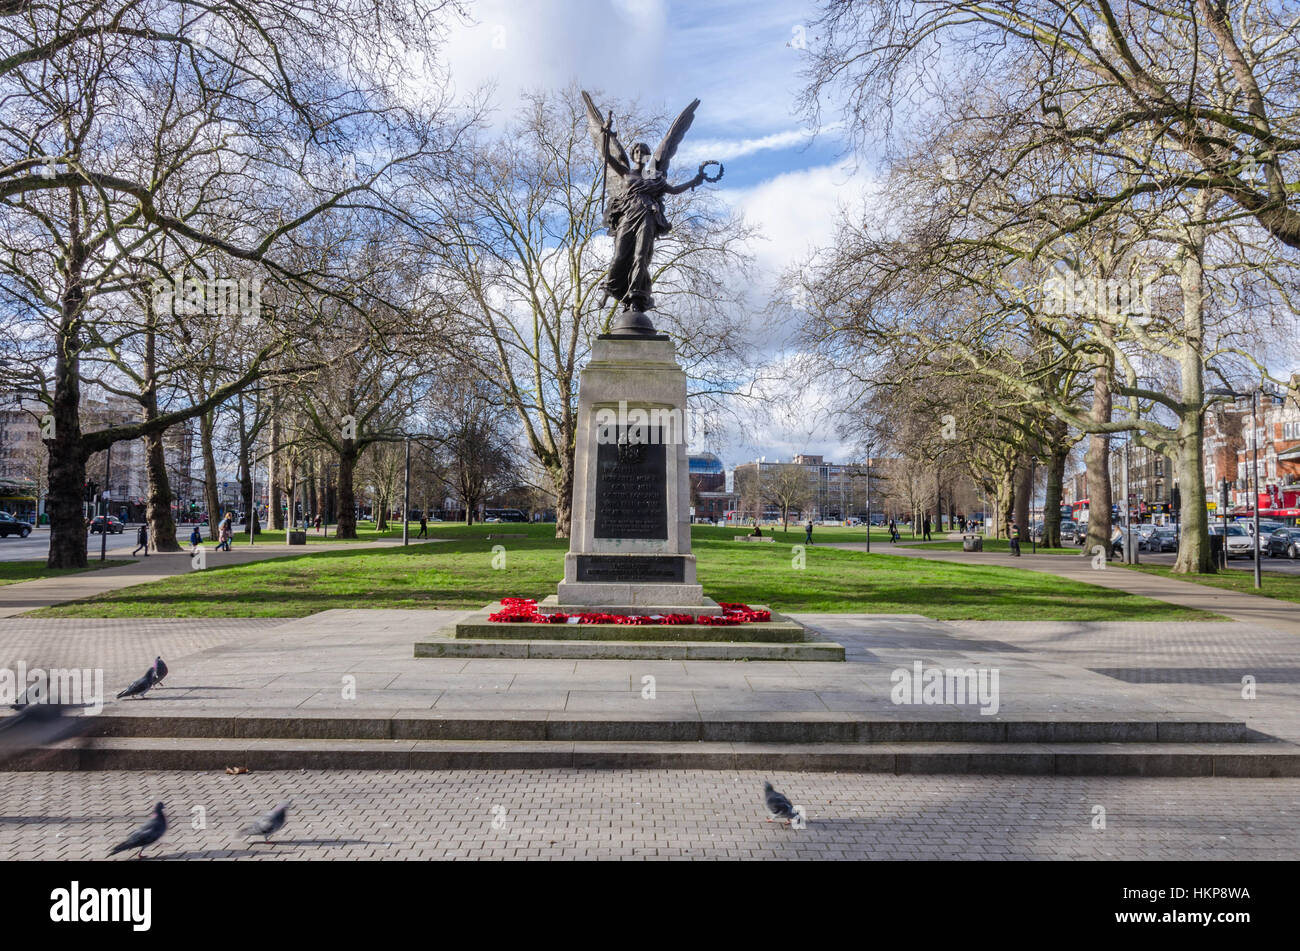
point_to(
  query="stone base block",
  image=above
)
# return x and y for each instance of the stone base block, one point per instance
(553, 603)
(634, 598)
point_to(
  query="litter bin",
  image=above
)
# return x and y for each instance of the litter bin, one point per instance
(297, 538)
(972, 543)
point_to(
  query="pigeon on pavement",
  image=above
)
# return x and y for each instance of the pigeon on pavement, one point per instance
(159, 671)
(146, 835)
(139, 687)
(778, 807)
(271, 823)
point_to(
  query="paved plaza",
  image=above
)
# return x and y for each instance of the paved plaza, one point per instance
(651, 814)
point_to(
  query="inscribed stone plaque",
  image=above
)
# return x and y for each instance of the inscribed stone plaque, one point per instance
(631, 483)
(631, 569)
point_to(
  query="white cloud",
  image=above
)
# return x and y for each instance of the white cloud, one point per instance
(797, 211)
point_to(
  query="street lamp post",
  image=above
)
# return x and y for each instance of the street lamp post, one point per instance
(406, 496)
(1254, 415)
(103, 535)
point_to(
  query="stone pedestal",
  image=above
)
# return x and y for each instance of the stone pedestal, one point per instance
(630, 547)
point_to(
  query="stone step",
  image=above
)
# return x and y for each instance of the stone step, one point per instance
(760, 728)
(628, 650)
(1242, 760)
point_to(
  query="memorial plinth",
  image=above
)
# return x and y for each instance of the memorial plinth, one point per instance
(630, 541)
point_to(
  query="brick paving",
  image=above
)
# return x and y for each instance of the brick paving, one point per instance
(651, 814)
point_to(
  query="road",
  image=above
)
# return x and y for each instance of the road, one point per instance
(36, 546)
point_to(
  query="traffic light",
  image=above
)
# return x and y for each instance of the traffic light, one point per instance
(1176, 500)
(1223, 494)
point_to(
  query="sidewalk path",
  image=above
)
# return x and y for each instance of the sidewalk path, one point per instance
(1251, 608)
(26, 596)
(652, 814)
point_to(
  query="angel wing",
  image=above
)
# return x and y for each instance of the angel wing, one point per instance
(607, 147)
(668, 147)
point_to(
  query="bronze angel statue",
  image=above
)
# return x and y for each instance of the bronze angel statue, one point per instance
(634, 210)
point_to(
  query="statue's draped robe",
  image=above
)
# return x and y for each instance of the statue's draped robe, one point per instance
(635, 219)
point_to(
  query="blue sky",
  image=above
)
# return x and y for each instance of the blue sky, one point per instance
(741, 58)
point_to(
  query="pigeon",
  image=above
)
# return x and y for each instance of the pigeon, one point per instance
(159, 670)
(778, 807)
(146, 835)
(139, 687)
(272, 822)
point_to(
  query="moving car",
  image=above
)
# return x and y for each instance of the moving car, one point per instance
(1069, 529)
(1240, 542)
(13, 526)
(1283, 543)
(1163, 538)
(115, 526)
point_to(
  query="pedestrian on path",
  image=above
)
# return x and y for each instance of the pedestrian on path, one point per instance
(1014, 539)
(893, 532)
(807, 538)
(925, 528)
(424, 527)
(226, 533)
(142, 539)
(196, 538)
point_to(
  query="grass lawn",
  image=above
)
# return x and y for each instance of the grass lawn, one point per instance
(12, 572)
(1280, 586)
(459, 574)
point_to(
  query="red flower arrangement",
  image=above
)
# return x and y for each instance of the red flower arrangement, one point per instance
(514, 610)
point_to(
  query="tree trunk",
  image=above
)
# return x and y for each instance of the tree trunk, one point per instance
(563, 478)
(162, 526)
(1097, 461)
(1007, 500)
(67, 467)
(1052, 495)
(1024, 492)
(274, 469)
(206, 425)
(347, 515)
(1194, 538)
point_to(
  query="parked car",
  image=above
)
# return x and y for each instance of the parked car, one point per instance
(115, 526)
(1163, 538)
(1240, 543)
(13, 526)
(1266, 526)
(1282, 543)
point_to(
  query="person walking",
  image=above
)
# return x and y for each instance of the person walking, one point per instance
(196, 538)
(317, 523)
(925, 528)
(893, 531)
(807, 538)
(1014, 539)
(225, 533)
(142, 538)
(424, 527)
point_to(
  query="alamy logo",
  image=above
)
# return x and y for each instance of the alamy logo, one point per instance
(214, 296)
(75, 904)
(1074, 295)
(640, 426)
(946, 686)
(73, 686)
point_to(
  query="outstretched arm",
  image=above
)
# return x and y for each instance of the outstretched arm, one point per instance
(692, 184)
